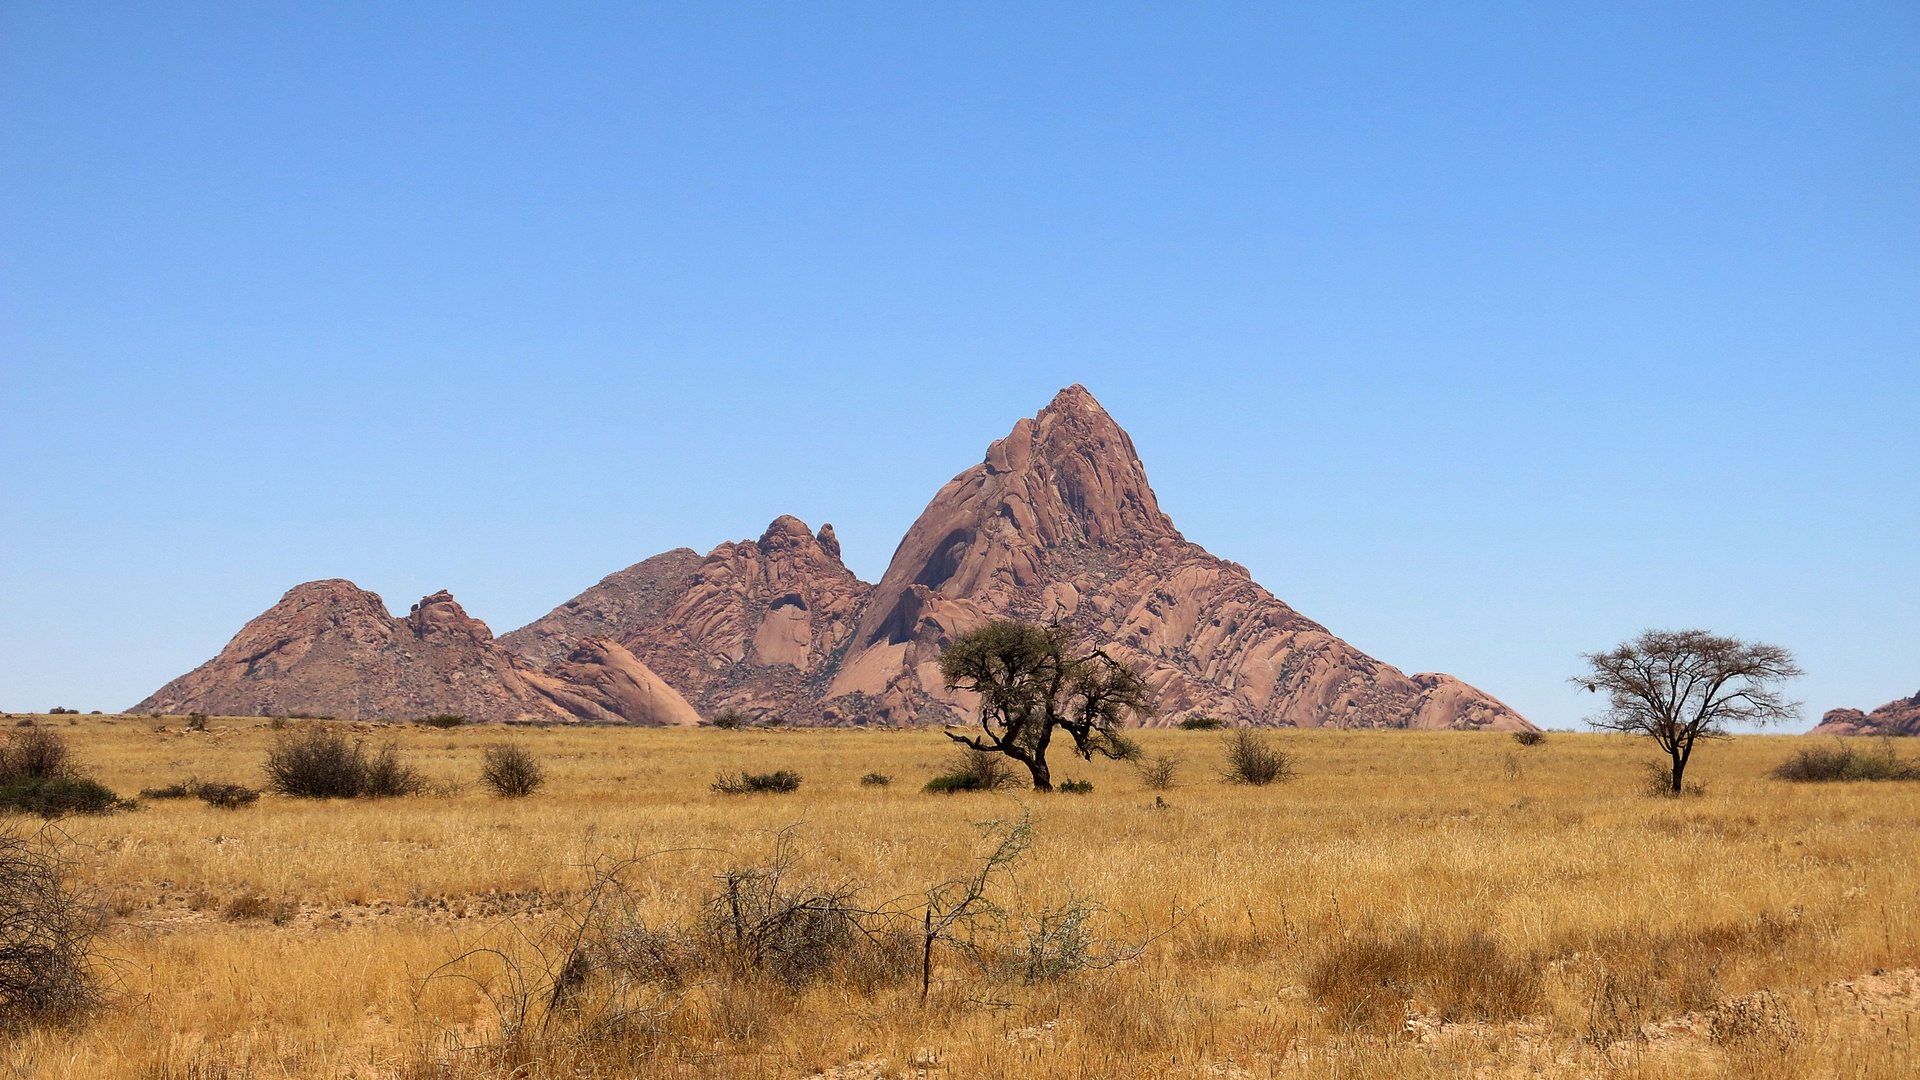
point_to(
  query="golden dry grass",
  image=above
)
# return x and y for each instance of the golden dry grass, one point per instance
(1413, 904)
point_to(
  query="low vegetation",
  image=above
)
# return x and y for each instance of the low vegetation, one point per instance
(973, 770)
(511, 771)
(1202, 722)
(779, 782)
(1394, 911)
(1841, 761)
(221, 795)
(48, 973)
(322, 763)
(1252, 759)
(441, 720)
(38, 776)
(1530, 738)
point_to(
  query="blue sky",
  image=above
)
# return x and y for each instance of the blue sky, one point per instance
(1486, 334)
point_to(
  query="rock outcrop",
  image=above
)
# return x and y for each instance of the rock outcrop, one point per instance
(329, 648)
(1059, 521)
(622, 601)
(1898, 717)
(757, 626)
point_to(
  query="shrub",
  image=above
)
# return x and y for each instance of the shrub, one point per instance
(442, 720)
(252, 907)
(320, 764)
(1529, 738)
(277, 723)
(1815, 764)
(46, 934)
(1657, 782)
(57, 796)
(746, 783)
(1251, 761)
(875, 779)
(61, 710)
(197, 721)
(511, 771)
(183, 790)
(731, 719)
(1077, 787)
(34, 754)
(1158, 776)
(226, 796)
(1201, 722)
(973, 770)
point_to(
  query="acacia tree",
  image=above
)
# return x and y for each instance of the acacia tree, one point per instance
(1677, 687)
(1031, 683)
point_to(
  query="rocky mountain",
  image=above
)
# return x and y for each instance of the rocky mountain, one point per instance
(1898, 717)
(329, 648)
(1059, 521)
(757, 625)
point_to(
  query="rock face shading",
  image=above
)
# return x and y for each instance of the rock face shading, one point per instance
(1899, 717)
(329, 648)
(636, 596)
(756, 626)
(1059, 521)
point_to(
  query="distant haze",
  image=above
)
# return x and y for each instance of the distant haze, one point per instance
(1482, 335)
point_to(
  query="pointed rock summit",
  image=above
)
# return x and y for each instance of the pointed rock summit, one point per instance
(1898, 717)
(1059, 521)
(329, 648)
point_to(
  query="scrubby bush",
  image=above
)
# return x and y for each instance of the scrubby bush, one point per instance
(1657, 782)
(1157, 775)
(226, 796)
(1816, 764)
(1529, 738)
(1201, 722)
(197, 721)
(182, 790)
(1077, 787)
(37, 777)
(730, 720)
(317, 763)
(511, 771)
(442, 720)
(973, 770)
(1250, 760)
(875, 779)
(746, 783)
(47, 973)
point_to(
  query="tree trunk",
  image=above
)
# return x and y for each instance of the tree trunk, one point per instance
(1679, 770)
(1042, 779)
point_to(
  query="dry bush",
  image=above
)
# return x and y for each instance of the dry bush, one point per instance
(253, 907)
(1250, 760)
(35, 753)
(226, 796)
(875, 779)
(779, 782)
(1656, 782)
(441, 720)
(974, 770)
(47, 974)
(1202, 722)
(1817, 764)
(1529, 738)
(1158, 774)
(511, 771)
(318, 763)
(37, 776)
(1367, 980)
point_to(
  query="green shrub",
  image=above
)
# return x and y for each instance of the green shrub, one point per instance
(57, 796)
(1201, 722)
(226, 796)
(746, 783)
(183, 790)
(1077, 787)
(442, 720)
(875, 779)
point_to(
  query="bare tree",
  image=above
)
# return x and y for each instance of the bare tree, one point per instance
(1031, 683)
(1680, 686)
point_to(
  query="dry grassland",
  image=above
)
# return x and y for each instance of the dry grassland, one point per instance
(1412, 904)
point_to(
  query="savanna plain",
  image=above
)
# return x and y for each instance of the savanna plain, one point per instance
(1407, 904)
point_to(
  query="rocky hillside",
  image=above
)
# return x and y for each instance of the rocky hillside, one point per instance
(1059, 521)
(1898, 717)
(329, 648)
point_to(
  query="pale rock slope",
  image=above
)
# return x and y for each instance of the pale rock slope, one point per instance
(329, 648)
(1059, 521)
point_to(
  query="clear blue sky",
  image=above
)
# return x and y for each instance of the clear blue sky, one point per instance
(1486, 334)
